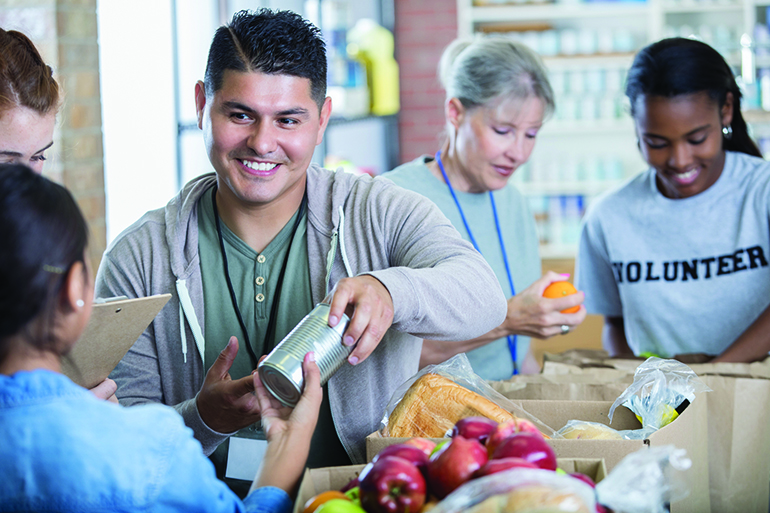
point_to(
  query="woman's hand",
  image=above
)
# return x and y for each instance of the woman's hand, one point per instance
(106, 390)
(532, 315)
(288, 430)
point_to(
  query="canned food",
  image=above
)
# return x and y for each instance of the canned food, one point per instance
(281, 371)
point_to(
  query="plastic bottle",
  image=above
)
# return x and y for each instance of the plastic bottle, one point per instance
(373, 44)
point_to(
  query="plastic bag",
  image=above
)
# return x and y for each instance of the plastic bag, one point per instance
(661, 390)
(459, 370)
(521, 490)
(584, 430)
(645, 481)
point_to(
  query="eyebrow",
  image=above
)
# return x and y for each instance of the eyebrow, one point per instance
(691, 132)
(297, 111)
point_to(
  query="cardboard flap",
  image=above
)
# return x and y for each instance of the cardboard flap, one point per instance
(112, 330)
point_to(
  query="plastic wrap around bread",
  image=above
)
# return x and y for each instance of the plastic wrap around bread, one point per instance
(530, 499)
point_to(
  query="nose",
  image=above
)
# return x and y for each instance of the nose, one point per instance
(519, 149)
(680, 156)
(263, 138)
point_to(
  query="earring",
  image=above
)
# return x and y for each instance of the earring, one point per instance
(80, 303)
(727, 131)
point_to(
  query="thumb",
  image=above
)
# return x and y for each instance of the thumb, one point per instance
(224, 361)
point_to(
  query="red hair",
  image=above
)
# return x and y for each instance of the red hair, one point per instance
(25, 80)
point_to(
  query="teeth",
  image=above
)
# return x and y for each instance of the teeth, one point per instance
(259, 166)
(687, 175)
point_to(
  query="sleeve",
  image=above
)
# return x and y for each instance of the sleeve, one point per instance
(442, 288)
(268, 499)
(594, 274)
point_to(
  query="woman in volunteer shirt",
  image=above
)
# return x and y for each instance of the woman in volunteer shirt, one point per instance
(497, 98)
(29, 100)
(65, 450)
(677, 258)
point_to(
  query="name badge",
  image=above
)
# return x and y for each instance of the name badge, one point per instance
(245, 453)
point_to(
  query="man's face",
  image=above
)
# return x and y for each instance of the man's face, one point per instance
(260, 132)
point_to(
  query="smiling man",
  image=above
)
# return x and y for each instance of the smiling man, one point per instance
(249, 250)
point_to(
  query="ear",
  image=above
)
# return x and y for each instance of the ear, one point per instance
(74, 292)
(454, 111)
(727, 110)
(200, 101)
(326, 112)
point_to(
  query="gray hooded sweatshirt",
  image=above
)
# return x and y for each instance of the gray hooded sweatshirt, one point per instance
(442, 289)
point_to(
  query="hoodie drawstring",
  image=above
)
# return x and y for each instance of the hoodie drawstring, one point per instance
(186, 310)
(339, 233)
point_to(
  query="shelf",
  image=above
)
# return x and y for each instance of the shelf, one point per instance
(596, 60)
(493, 14)
(702, 7)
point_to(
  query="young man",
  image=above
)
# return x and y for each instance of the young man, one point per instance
(248, 251)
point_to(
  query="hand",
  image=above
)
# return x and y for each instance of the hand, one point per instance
(224, 404)
(106, 390)
(530, 314)
(288, 431)
(372, 313)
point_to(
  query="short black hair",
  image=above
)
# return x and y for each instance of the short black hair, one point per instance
(681, 66)
(43, 233)
(272, 42)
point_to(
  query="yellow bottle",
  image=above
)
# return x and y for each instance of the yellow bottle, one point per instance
(373, 44)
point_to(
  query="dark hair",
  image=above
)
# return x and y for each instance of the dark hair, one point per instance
(272, 42)
(43, 233)
(678, 66)
(25, 80)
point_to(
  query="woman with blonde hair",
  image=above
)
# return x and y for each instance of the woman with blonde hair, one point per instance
(497, 98)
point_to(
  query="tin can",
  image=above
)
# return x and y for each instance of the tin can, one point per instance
(281, 371)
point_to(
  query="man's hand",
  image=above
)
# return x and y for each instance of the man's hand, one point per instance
(372, 313)
(224, 404)
(106, 390)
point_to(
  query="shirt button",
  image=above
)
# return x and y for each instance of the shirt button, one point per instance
(260, 280)
(260, 297)
(261, 259)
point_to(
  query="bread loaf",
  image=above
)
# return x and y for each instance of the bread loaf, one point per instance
(532, 498)
(433, 404)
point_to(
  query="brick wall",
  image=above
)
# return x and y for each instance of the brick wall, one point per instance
(65, 33)
(422, 29)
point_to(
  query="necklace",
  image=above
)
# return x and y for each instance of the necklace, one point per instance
(511, 338)
(270, 332)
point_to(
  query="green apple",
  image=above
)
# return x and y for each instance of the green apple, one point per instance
(340, 506)
(354, 494)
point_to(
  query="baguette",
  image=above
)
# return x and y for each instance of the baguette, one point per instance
(433, 404)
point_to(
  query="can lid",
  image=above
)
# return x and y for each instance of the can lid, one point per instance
(279, 385)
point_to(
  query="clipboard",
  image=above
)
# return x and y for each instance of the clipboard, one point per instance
(113, 328)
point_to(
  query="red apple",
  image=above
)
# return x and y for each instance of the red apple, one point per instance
(530, 446)
(351, 484)
(423, 444)
(587, 480)
(391, 485)
(477, 428)
(498, 465)
(454, 464)
(408, 452)
(526, 426)
(500, 433)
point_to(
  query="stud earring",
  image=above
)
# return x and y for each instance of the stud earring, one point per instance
(80, 303)
(727, 131)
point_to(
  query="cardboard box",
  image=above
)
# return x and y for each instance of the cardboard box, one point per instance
(320, 480)
(689, 431)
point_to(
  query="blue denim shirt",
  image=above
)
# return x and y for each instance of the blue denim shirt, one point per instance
(62, 449)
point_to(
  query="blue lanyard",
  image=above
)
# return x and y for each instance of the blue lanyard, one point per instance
(511, 338)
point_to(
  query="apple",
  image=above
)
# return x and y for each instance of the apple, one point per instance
(506, 429)
(354, 494)
(477, 428)
(340, 506)
(454, 464)
(408, 452)
(530, 446)
(423, 444)
(391, 485)
(353, 483)
(587, 480)
(526, 426)
(500, 464)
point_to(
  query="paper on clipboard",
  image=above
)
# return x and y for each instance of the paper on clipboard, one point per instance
(112, 330)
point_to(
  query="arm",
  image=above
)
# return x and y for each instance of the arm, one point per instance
(752, 345)
(614, 338)
(529, 314)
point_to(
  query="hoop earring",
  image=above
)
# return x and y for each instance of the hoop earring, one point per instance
(727, 131)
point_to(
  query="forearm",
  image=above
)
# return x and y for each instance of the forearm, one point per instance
(752, 345)
(614, 337)
(208, 438)
(437, 351)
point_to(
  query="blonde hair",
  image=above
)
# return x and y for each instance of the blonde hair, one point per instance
(487, 68)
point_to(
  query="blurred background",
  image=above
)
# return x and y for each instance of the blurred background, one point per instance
(127, 138)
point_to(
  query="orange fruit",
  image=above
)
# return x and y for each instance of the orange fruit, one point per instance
(560, 289)
(315, 502)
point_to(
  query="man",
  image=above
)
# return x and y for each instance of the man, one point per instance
(248, 251)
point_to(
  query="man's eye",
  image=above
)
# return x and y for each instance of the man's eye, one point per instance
(239, 116)
(288, 121)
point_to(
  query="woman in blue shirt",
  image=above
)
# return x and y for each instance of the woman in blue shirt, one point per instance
(64, 449)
